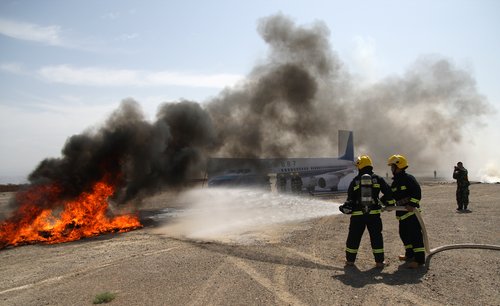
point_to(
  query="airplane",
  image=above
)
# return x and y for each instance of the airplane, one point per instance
(328, 174)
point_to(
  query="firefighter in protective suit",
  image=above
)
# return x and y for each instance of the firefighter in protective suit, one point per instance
(364, 206)
(407, 192)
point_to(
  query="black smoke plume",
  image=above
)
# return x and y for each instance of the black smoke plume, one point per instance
(137, 156)
(292, 104)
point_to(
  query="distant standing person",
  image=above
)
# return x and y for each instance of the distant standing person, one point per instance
(296, 183)
(281, 183)
(460, 174)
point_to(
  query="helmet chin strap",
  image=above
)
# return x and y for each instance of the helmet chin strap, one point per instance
(395, 170)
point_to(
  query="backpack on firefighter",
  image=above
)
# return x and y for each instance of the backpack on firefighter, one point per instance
(365, 200)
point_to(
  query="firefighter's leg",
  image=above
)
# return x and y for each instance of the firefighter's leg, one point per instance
(417, 240)
(356, 229)
(405, 238)
(375, 229)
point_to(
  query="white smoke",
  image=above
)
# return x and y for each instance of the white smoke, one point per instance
(239, 215)
(490, 173)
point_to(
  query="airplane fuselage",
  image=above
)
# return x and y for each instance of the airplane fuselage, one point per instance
(325, 173)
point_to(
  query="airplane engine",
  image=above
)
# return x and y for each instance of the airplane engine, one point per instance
(328, 181)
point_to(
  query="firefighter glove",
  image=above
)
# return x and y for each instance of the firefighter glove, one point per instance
(346, 208)
(385, 201)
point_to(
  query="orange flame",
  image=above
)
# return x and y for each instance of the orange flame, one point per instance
(86, 216)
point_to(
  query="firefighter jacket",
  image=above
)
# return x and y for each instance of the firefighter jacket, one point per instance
(378, 185)
(406, 191)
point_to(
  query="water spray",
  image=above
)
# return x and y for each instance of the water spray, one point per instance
(239, 215)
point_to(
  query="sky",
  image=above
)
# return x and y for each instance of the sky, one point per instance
(66, 65)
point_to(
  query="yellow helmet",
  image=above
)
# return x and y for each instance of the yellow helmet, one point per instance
(398, 160)
(363, 161)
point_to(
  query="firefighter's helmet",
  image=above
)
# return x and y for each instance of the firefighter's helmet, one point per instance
(363, 161)
(398, 160)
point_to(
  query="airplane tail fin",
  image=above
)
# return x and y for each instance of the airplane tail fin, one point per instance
(346, 145)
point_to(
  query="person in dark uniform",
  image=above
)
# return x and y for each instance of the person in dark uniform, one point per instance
(407, 192)
(296, 183)
(460, 174)
(281, 183)
(364, 206)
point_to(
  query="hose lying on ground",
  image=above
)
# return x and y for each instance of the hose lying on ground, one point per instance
(433, 251)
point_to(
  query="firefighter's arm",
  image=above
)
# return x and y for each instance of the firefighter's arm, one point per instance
(403, 202)
(409, 208)
(387, 199)
(350, 192)
(415, 194)
(407, 203)
(346, 208)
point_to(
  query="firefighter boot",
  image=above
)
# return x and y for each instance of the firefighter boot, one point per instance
(408, 256)
(404, 258)
(380, 265)
(414, 265)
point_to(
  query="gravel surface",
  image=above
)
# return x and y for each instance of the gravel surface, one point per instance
(296, 263)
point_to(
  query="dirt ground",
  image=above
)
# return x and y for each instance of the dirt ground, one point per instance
(301, 265)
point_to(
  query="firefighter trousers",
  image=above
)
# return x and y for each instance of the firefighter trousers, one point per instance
(410, 233)
(357, 225)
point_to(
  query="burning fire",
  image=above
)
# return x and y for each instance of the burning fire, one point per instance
(85, 216)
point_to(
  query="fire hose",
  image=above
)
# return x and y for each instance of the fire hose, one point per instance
(433, 251)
